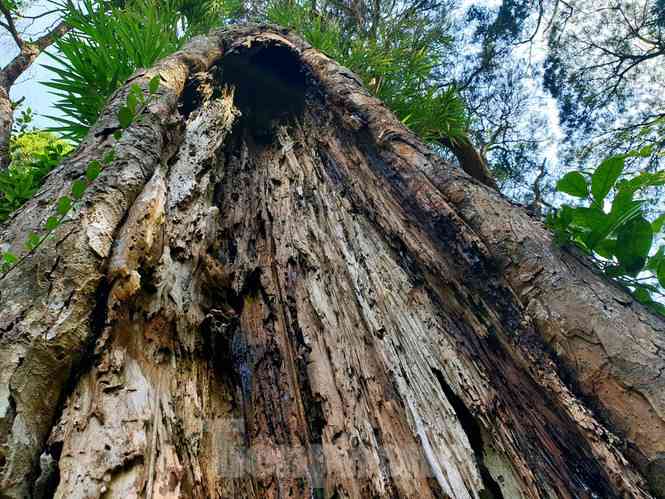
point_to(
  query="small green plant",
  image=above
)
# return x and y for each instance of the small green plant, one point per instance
(33, 156)
(22, 123)
(128, 114)
(616, 231)
(106, 45)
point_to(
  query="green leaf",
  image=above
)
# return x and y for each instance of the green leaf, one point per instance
(109, 157)
(646, 151)
(623, 201)
(78, 188)
(606, 248)
(573, 183)
(93, 170)
(153, 86)
(605, 176)
(52, 223)
(117, 135)
(125, 116)
(32, 241)
(654, 261)
(657, 225)
(659, 308)
(10, 258)
(590, 218)
(642, 295)
(634, 241)
(660, 273)
(595, 223)
(64, 205)
(132, 102)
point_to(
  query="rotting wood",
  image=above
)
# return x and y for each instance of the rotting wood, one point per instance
(311, 287)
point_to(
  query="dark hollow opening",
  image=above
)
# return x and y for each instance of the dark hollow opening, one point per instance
(269, 86)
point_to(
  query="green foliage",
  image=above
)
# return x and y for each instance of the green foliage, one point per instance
(616, 232)
(23, 121)
(136, 104)
(204, 15)
(395, 62)
(574, 184)
(33, 156)
(107, 45)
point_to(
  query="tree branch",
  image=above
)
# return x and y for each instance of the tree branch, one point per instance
(10, 26)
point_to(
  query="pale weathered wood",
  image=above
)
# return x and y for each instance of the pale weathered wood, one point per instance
(277, 290)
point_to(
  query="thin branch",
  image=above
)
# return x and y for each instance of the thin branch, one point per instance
(11, 27)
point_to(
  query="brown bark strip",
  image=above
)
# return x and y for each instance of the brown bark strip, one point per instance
(471, 161)
(6, 122)
(297, 306)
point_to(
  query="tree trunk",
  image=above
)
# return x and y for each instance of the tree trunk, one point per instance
(6, 122)
(278, 291)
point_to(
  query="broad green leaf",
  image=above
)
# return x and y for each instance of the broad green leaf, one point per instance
(125, 116)
(573, 183)
(117, 135)
(605, 176)
(93, 170)
(78, 188)
(634, 241)
(606, 248)
(10, 258)
(52, 223)
(623, 200)
(64, 205)
(153, 86)
(645, 179)
(590, 218)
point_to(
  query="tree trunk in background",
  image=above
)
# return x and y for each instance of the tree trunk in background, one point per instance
(29, 50)
(282, 293)
(6, 121)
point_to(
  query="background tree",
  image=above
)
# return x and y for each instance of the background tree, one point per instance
(605, 67)
(28, 50)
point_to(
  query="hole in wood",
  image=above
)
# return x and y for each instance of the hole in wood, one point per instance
(269, 86)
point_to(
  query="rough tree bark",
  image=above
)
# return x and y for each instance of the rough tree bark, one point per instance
(279, 291)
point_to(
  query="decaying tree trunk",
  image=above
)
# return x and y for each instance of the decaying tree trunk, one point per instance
(277, 291)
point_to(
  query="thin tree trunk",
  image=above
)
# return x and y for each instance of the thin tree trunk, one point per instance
(6, 122)
(278, 291)
(28, 53)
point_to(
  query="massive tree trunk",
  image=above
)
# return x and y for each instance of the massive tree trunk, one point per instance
(276, 290)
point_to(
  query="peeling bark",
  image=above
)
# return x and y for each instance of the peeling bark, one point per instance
(277, 290)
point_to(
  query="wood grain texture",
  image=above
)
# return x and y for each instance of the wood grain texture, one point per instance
(278, 291)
